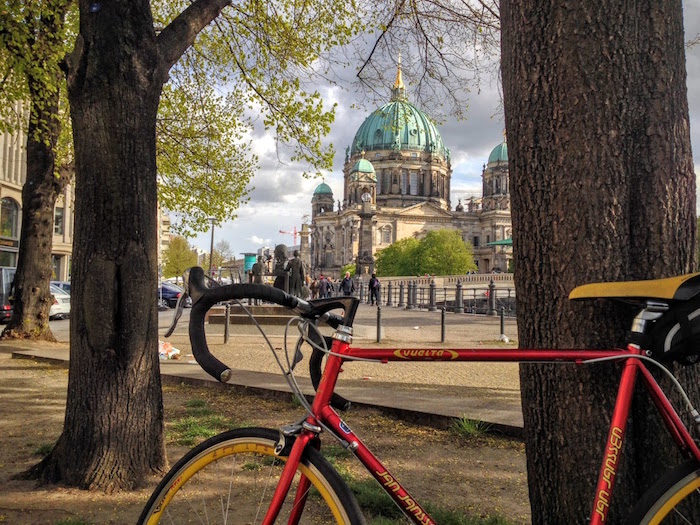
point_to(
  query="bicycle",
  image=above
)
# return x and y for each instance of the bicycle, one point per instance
(256, 475)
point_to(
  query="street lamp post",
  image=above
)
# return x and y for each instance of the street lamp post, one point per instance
(211, 250)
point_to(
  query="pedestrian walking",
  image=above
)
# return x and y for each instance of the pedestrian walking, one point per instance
(324, 286)
(374, 289)
(347, 285)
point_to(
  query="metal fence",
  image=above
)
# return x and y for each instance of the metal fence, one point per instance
(484, 298)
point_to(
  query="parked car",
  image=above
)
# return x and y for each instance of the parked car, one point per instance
(7, 275)
(60, 309)
(168, 295)
(64, 285)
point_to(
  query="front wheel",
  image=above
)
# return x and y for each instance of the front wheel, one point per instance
(675, 498)
(231, 477)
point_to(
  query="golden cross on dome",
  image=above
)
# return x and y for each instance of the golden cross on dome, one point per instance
(399, 78)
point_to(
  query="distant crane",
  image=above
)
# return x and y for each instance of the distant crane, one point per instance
(293, 232)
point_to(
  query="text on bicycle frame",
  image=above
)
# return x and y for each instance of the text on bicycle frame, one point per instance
(411, 506)
(412, 353)
(612, 458)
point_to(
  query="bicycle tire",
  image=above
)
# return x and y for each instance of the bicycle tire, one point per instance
(248, 455)
(675, 498)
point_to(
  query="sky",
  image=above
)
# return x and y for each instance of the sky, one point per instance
(281, 198)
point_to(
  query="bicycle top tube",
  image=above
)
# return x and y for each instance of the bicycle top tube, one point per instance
(407, 354)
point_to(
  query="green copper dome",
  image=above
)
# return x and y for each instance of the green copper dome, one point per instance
(323, 189)
(499, 153)
(362, 166)
(399, 125)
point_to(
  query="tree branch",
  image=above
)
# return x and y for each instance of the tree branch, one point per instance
(181, 33)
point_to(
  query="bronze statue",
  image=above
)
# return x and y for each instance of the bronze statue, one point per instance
(280, 268)
(296, 275)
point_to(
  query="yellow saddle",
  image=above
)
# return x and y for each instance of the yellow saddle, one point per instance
(680, 288)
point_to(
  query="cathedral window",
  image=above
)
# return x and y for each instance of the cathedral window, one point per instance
(404, 182)
(414, 183)
(386, 235)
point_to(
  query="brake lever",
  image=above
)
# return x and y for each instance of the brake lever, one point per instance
(179, 307)
(211, 282)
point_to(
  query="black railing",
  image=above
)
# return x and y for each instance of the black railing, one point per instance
(485, 299)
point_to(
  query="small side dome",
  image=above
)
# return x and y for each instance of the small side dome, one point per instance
(499, 153)
(323, 189)
(363, 171)
(362, 166)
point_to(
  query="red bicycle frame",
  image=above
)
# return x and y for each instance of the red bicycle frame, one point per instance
(341, 351)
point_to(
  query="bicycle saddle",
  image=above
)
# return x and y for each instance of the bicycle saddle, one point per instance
(679, 288)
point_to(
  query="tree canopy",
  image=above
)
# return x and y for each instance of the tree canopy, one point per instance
(440, 252)
(397, 258)
(178, 257)
(443, 252)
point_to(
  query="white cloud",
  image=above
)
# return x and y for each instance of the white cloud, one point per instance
(282, 197)
(259, 240)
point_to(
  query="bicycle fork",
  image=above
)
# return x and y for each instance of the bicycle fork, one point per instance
(301, 440)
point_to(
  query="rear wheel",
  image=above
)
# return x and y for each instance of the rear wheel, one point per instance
(675, 498)
(231, 477)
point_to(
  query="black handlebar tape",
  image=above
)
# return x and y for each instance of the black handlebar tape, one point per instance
(200, 349)
(205, 298)
(334, 321)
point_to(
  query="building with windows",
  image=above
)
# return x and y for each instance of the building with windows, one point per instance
(13, 173)
(397, 176)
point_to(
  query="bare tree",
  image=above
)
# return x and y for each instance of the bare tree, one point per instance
(447, 49)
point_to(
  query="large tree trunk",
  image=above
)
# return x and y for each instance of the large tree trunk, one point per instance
(603, 189)
(31, 296)
(113, 433)
(44, 183)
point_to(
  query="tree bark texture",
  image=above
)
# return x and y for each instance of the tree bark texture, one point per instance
(44, 183)
(603, 189)
(31, 295)
(113, 432)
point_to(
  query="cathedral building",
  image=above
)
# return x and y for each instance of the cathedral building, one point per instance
(397, 184)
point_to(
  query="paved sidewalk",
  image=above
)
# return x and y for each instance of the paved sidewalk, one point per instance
(428, 393)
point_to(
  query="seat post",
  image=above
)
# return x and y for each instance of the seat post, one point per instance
(651, 312)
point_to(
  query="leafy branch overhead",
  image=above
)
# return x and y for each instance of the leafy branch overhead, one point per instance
(255, 66)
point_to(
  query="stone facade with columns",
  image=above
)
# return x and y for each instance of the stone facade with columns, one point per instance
(397, 176)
